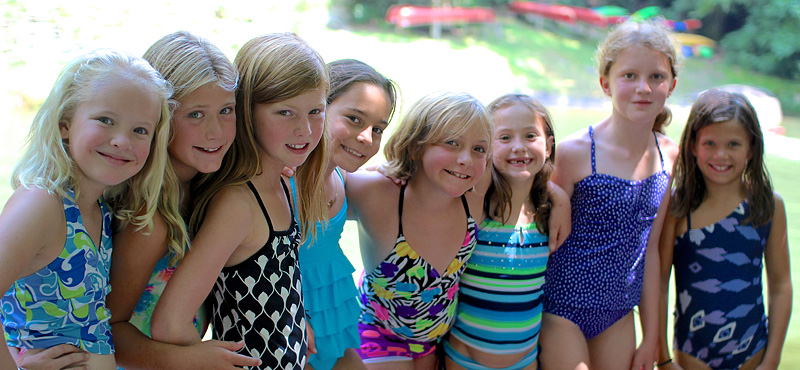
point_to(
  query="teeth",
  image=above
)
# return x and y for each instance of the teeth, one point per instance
(519, 161)
(210, 150)
(351, 151)
(459, 175)
(296, 146)
(719, 168)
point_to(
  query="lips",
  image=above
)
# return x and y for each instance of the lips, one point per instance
(114, 159)
(351, 151)
(719, 168)
(208, 150)
(458, 174)
(519, 161)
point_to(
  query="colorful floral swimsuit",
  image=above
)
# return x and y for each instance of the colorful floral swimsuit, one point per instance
(406, 302)
(65, 302)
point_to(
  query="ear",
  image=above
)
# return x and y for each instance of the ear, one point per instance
(605, 85)
(63, 126)
(693, 147)
(551, 142)
(672, 88)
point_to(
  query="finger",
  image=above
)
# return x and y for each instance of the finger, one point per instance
(230, 346)
(59, 350)
(71, 361)
(242, 360)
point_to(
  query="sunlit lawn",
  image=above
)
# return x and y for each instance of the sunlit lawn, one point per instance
(419, 66)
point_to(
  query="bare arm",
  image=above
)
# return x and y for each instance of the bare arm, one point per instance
(560, 222)
(649, 304)
(666, 247)
(779, 280)
(30, 222)
(222, 232)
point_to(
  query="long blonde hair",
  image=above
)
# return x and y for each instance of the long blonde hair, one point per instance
(272, 68)
(46, 162)
(431, 119)
(188, 62)
(650, 33)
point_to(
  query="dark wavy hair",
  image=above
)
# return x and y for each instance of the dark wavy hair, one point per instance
(500, 190)
(715, 106)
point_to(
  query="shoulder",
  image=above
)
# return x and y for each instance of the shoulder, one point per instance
(668, 147)
(576, 145)
(362, 183)
(153, 240)
(36, 205)
(780, 207)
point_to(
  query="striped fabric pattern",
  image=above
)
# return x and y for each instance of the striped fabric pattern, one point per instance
(500, 306)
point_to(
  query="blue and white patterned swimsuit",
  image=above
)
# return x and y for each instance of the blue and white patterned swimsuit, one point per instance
(65, 302)
(596, 277)
(719, 308)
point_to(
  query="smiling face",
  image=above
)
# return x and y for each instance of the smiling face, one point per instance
(722, 151)
(357, 120)
(639, 82)
(287, 131)
(204, 125)
(110, 133)
(456, 164)
(520, 145)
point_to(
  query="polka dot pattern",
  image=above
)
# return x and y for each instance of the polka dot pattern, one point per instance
(601, 264)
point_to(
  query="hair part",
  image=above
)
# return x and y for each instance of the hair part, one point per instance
(716, 106)
(651, 33)
(46, 162)
(434, 118)
(272, 68)
(344, 73)
(499, 191)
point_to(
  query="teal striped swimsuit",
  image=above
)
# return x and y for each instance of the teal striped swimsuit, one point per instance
(500, 307)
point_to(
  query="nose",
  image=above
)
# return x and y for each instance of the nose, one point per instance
(214, 129)
(365, 136)
(303, 128)
(642, 86)
(122, 141)
(465, 157)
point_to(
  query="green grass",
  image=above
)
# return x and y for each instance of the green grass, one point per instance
(486, 62)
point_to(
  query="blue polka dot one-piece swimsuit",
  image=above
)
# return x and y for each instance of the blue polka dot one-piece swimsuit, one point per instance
(719, 308)
(595, 278)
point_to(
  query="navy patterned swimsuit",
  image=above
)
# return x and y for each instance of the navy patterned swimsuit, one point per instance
(719, 306)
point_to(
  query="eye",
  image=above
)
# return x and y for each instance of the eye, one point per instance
(285, 113)
(734, 144)
(196, 114)
(658, 76)
(354, 119)
(629, 76)
(105, 120)
(316, 111)
(377, 130)
(709, 143)
(140, 131)
(451, 142)
(226, 110)
(504, 138)
(479, 149)
(531, 136)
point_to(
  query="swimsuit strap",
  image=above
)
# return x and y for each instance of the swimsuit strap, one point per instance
(591, 137)
(260, 204)
(400, 211)
(659, 150)
(688, 221)
(264, 209)
(466, 205)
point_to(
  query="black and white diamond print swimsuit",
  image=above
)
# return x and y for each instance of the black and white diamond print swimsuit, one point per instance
(260, 300)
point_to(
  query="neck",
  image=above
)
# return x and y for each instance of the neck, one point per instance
(725, 192)
(422, 192)
(625, 134)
